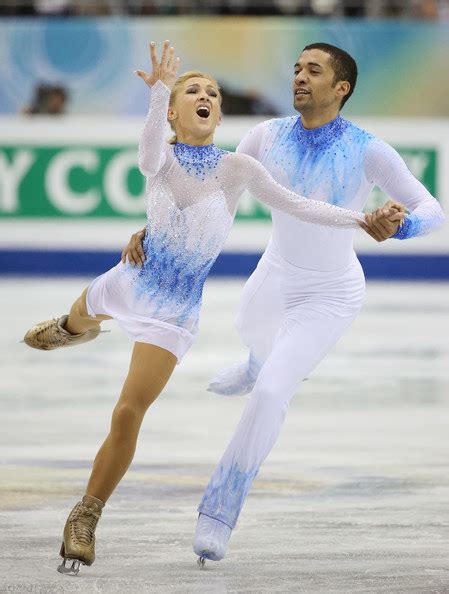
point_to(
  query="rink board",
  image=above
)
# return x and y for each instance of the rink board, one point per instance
(425, 267)
(73, 190)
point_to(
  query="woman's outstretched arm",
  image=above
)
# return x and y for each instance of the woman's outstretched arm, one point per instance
(263, 187)
(160, 80)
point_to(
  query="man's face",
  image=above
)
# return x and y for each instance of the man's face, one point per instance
(313, 83)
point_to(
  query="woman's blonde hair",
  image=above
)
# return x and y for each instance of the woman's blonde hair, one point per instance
(181, 80)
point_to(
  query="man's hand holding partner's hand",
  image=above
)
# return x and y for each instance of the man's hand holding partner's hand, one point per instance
(385, 221)
(165, 70)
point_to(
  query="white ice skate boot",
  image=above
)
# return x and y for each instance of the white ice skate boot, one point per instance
(236, 380)
(211, 539)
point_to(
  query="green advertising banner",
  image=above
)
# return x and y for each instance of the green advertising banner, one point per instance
(96, 181)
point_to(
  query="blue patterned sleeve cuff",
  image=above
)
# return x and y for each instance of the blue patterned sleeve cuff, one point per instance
(409, 228)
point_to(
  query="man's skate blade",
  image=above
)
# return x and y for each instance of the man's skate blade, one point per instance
(201, 562)
(206, 553)
(72, 569)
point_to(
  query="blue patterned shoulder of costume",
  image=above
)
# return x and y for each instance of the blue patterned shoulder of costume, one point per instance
(281, 125)
(329, 158)
(198, 161)
(359, 132)
(292, 128)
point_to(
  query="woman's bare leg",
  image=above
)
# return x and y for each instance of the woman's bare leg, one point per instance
(79, 320)
(149, 371)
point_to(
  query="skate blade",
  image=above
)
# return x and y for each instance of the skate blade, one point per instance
(73, 569)
(101, 332)
(201, 562)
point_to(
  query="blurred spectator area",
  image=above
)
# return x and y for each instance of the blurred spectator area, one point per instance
(47, 99)
(237, 102)
(428, 9)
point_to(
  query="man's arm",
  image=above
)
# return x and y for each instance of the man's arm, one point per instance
(252, 141)
(133, 251)
(385, 168)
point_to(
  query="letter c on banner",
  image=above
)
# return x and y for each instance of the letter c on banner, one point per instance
(57, 185)
(117, 193)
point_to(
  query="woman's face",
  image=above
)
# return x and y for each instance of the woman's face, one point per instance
(196, 110)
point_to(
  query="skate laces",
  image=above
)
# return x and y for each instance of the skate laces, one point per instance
(52, 333)
(83, 524)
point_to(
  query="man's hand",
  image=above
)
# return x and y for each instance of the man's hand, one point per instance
(134, 251)
(385, 221)
(165, 70)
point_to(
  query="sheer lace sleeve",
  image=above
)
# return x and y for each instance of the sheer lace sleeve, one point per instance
(152, 141)
(263, 187)
(385, 168)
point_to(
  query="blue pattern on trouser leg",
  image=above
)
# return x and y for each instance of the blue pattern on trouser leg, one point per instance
(226, 492)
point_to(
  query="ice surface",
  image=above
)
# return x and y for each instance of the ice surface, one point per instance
(354, 497)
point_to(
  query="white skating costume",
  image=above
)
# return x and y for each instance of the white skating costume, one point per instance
(192, 194)
(308, 286)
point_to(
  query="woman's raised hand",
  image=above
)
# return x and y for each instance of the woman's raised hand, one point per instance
(165, 70)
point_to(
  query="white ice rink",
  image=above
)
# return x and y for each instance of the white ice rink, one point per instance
(354, 497)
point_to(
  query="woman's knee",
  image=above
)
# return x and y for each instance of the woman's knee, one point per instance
(126, 420)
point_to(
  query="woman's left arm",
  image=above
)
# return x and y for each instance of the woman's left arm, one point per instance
(260, 183)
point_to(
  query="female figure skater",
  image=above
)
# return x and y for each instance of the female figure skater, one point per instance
(192, 189)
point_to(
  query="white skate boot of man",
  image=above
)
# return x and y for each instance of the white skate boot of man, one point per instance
(236, 380)
(211, 539)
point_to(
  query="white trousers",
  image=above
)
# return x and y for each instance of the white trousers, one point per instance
(289, 318)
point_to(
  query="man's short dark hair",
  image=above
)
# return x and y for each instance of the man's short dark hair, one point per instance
(343, 65)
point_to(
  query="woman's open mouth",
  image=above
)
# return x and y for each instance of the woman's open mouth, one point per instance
(203, 111)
